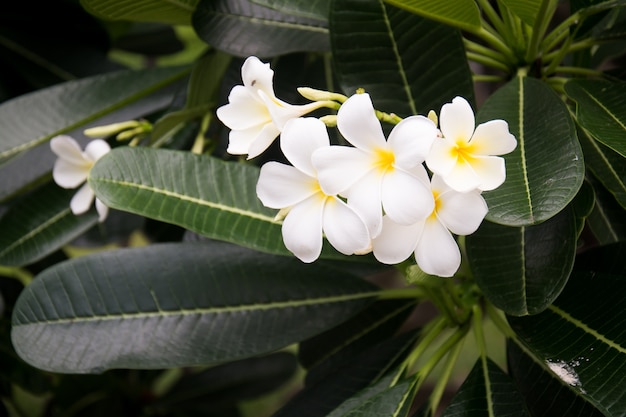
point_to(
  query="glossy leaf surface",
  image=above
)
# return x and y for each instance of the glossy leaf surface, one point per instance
(171, 12)
(316, 9)
(242, 28)
(546, 169)
(40, 224)
(396, 57)
(579, 338)
(522, 270)
(67, 106)
(601, 110)
(124, 308)
(463, 14)
(487, 391)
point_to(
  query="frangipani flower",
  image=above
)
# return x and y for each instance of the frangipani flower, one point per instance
(254, 114)
(378, 174)
(436, 251)
(72, 168)
(311, 212)
(464, 156)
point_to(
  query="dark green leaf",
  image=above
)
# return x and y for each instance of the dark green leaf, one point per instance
(607, 220)
(39, 224)
(546, 169)
(317, 9)
(526, 9)
(463, 14)
(601, 110)
(131, 308)
(171, 12)
(396, 57)
(522, 270)
(242, 28)
(34, 118)
(545, 395)
(607, 166)
(359, 371)
(329, 351)
(580, 338)
(487, 391)
(205, 79)
(583, 205)
(607, 260)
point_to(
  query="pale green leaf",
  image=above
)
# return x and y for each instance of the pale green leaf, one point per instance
(174, 305)
(527, 10)
(463, 14)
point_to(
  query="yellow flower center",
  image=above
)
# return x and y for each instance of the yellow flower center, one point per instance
(433, 214)
(463, 150)
(384, 159)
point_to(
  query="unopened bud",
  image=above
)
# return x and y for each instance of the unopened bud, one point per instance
(329, 120)
(282, 214)
(108, 130)
(433, 117)
(320, 95)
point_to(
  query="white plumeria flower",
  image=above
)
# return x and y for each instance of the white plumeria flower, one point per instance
(436, 251)
(72, 168)
(378, 174)
(464, 157)
(254, 114)
(311, 211)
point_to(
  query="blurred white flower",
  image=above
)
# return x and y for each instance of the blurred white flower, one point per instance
(72, 168)
(254, 114)
(310, 211)
(464, 157)
(436, 251)
(378, 174)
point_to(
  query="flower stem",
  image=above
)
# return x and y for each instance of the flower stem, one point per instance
(388, 117)
(496, 41)
(487, 61)
(487, 78)
(492, 15)
(431, 332)
(198, 144)
(544, 15)
(484, 51)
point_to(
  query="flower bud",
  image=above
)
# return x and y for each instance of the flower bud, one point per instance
(108, 130)
(320, 95)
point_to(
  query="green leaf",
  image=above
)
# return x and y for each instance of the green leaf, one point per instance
(523, 269)
(487, 391)
(356, 373)
(317, 9)
(580, 338)
(601, 110)
(39, 224)
(206, 79)
(36, 117)
(163, 11)
(526, 9)
(396, 57)
(242, 28)
(379, 400)
(463, 14)
(583, 205)
(133, 308)
(545, 395)
(607, 220)
(546, 169)
(608, 166)
(200, 193)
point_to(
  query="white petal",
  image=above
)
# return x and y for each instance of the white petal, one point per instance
(300, 138)
(281, 186)
(396, 242)
(65, 147)
(239, 141)
(70, 175)
(440, 159)
(491, 171)
(302, 229)
(344, 228)
(461, 213)
(364, 197)
(103, 211)
(462, 178)
(243, 111)
(456, 120)
(437, 252)
(339, 167)
(357, 122)
(493, 138)
(405, 198)
(258, 75)
(82, 200)
(282, 112)
(411, 140)
(263, 140)
(96, 149)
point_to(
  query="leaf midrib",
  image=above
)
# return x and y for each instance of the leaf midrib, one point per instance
(208, 310)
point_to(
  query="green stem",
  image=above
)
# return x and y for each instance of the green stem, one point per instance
(487, 78)
(444, 378)
(477, 325)
(19, 274)
(484, 51)
(496, 41)
(569, 48)
(516, 26)
(544, 15)
(578, 71)
(198, 144)
(493, 17)
(431, 332)
(553, 38)
(388, 117)
(490, 62)
(499, 321)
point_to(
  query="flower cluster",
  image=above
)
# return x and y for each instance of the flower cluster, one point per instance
(376, 195)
